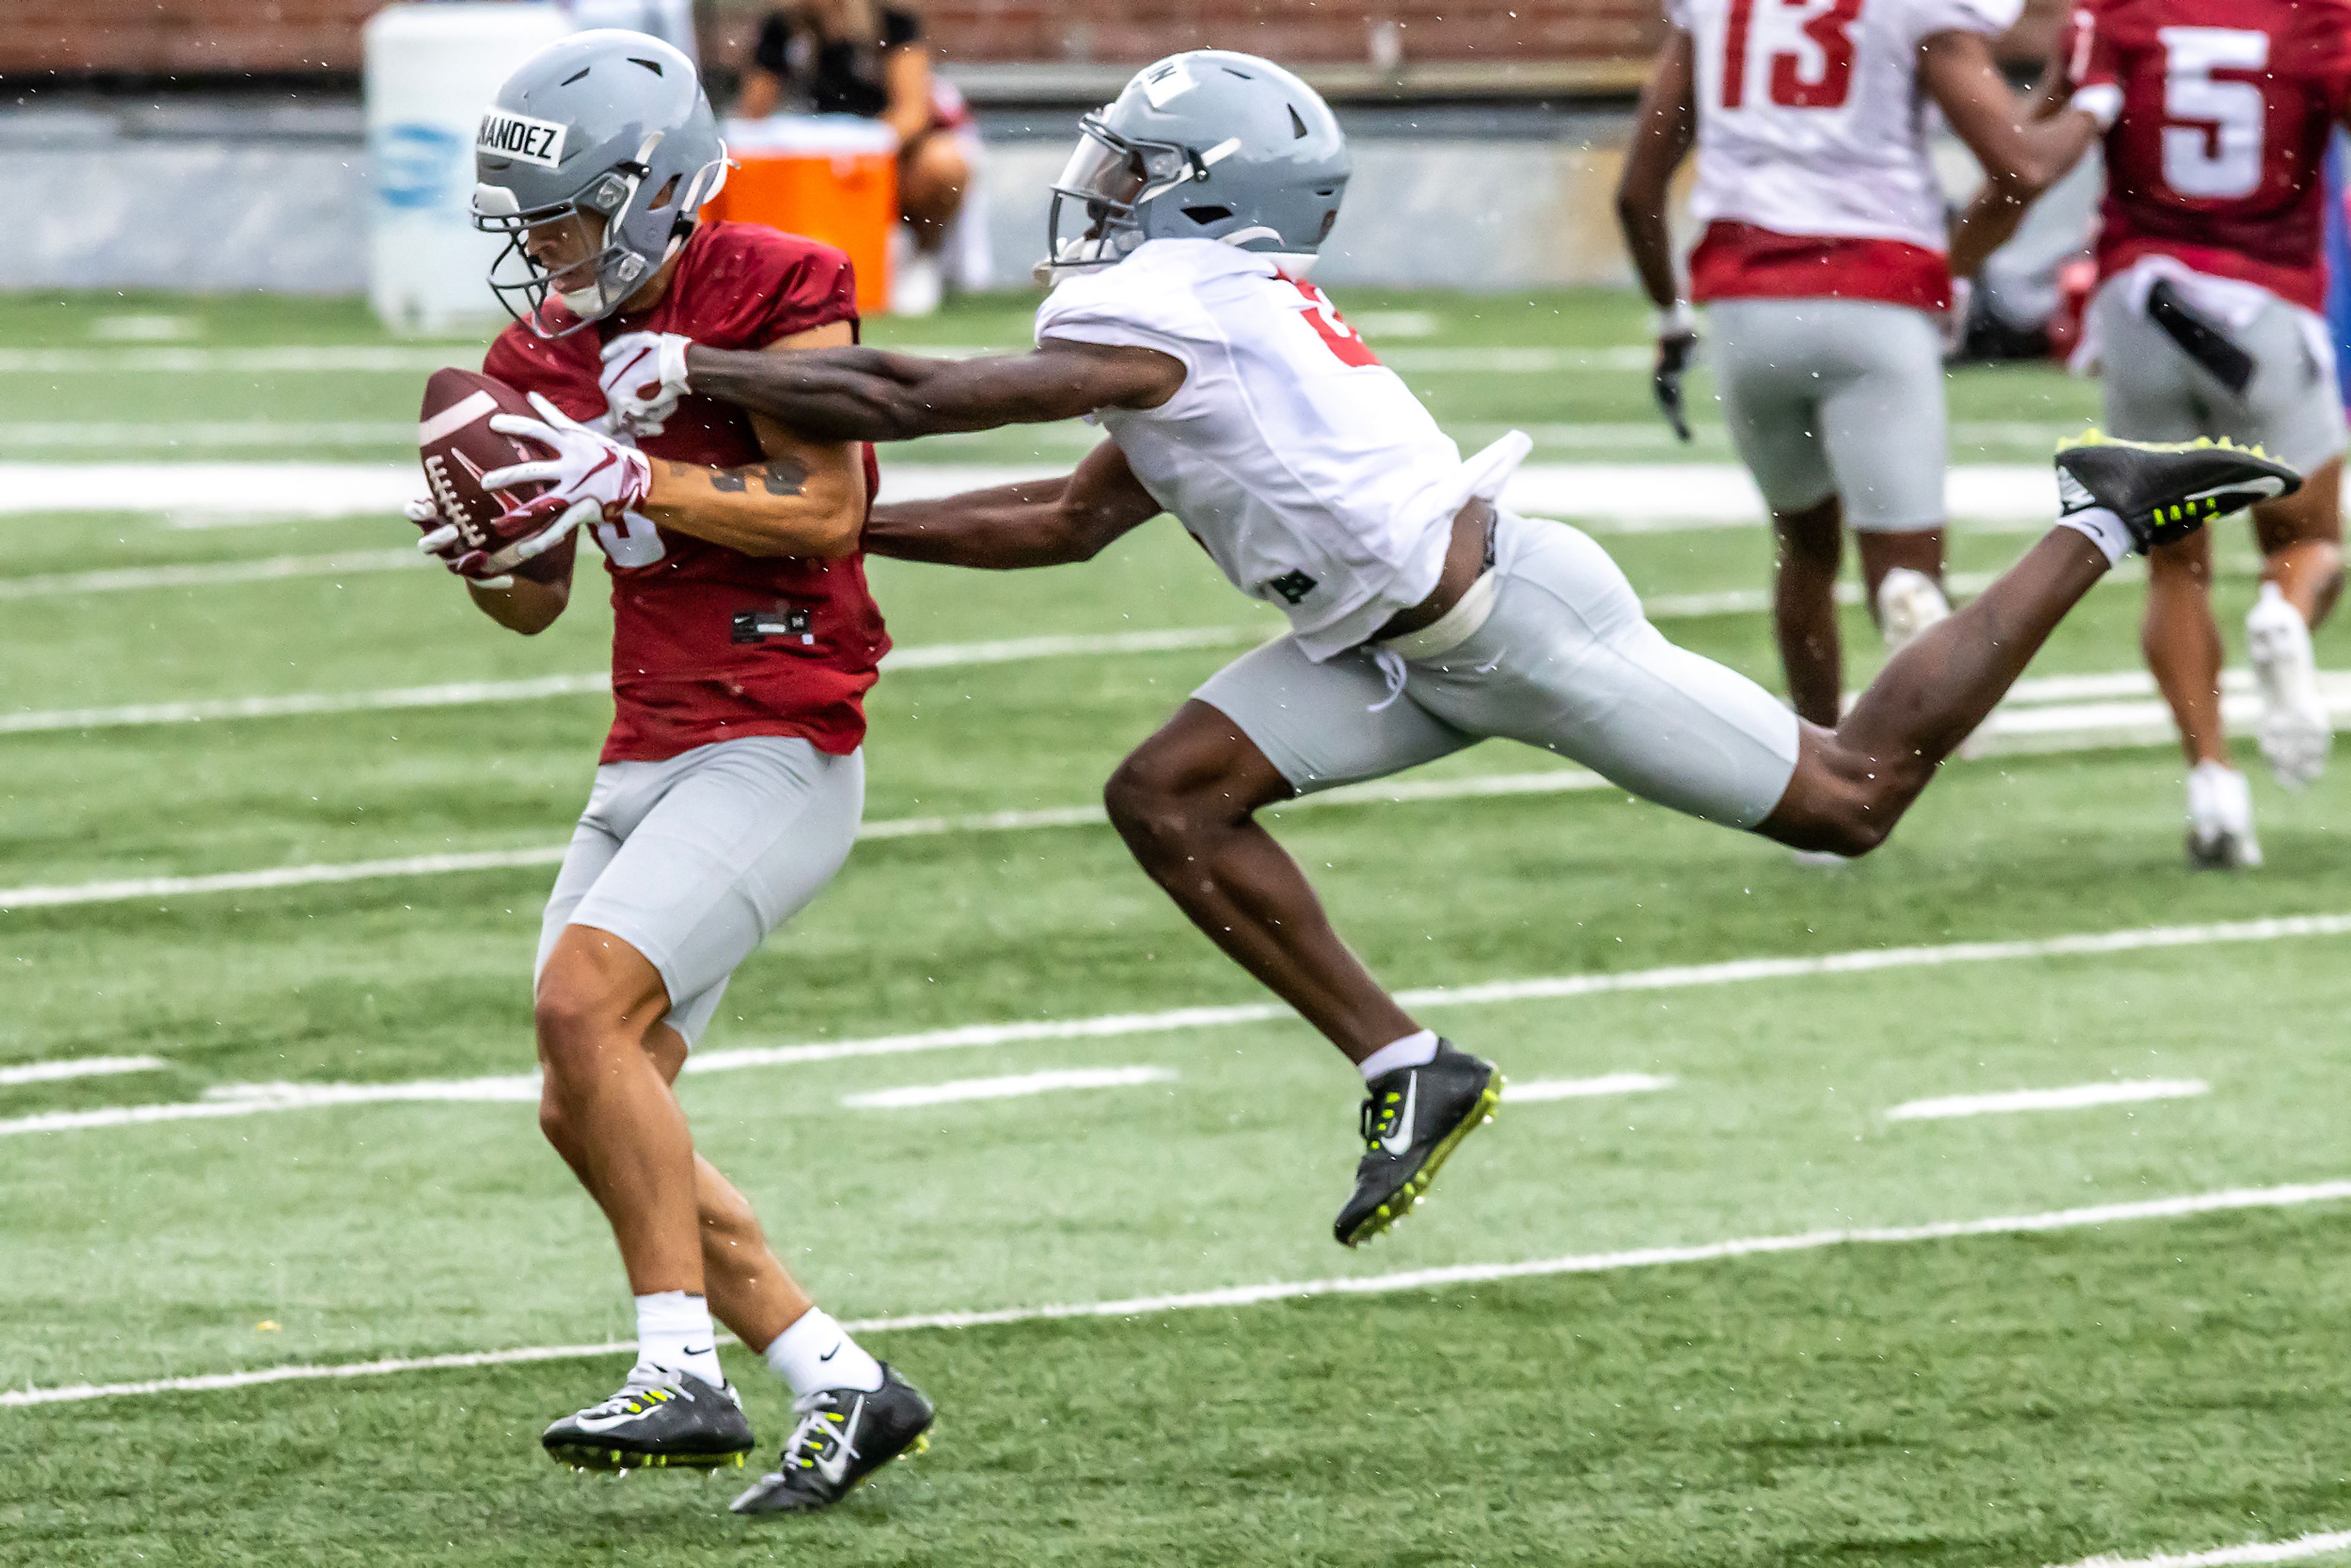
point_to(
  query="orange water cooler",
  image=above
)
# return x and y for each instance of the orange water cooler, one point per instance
(832, 177)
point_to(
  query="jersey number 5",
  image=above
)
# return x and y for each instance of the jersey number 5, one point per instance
(1830, 31)
(2217, 154)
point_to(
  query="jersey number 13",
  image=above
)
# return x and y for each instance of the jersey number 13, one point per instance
(1821, 82)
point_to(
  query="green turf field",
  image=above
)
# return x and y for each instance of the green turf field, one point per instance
(2162, 1381)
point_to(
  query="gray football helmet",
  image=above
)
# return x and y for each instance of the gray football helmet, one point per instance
(1208, 144)
(599, 153)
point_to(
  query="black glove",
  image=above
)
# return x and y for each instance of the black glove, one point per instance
(1675, 349)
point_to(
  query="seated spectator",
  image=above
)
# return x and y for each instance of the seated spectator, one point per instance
(864, 57)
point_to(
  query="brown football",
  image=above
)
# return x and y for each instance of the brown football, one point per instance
(457, 446)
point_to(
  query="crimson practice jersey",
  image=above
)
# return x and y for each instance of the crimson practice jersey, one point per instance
(2221, 111)
(709, 644)
(1813, 176)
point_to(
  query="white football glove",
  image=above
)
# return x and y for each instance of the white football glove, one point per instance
(643, 377)
(444, 541)
(590, 476)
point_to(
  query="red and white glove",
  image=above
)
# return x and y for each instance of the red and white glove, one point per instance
(445, 543)
(643, 377)
(590, 476)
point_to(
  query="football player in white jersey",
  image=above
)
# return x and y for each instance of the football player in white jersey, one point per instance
(1823, 265)
(1424, 616)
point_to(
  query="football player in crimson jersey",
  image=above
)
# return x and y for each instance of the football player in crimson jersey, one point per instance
(1823, 265)
(733, 779)
(1423, 616)
(2216, 115)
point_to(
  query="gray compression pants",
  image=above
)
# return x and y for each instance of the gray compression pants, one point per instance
(694, 860)
(2154, 392)
(1564, 661)
(1837, 397)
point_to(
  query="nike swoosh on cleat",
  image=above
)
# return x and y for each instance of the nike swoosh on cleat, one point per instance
(1397, 1142)
(828, 1355)
(705, 1350)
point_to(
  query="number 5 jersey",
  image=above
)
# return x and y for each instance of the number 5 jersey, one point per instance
(1813, 173)
(1305, 468)
(2219, 114)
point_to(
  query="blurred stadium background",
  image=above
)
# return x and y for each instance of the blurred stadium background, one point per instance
(277, 812)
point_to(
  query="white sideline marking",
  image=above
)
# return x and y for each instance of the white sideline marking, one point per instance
(2288, 1196)
(1011, 1087)
(2070, 1099)
(275, 434)
(208, 574)
(78, 1067)
(334, 358)
(115, 891)
(2251, 1551)
(235, 1100)
(462, 694)
(1618, 495)
(2059, 728)
(1536, 1088)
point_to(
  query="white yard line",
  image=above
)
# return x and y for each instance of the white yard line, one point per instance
(2222, 1556)
(208, 574)
(1537, 1089)
(2081, 726)
(2074, 1098)
(275, 434)
(2181, 1206)
(235, 1100)
(78, 1067)
(337, 359)
(463, 694)
(1615, 495)
(1013, 1086)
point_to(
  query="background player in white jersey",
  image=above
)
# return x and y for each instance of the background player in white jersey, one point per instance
(1822, 266)
(1422, 617)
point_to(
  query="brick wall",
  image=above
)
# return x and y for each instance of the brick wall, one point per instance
(227, 38)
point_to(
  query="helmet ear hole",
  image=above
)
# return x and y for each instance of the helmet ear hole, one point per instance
(1208, 214)
(662, 198)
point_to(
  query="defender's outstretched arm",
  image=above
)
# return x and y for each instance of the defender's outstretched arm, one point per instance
(865, 394)
(1046, 522)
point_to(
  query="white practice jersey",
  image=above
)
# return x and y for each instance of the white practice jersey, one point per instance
(1810, 117)
(1303, 466)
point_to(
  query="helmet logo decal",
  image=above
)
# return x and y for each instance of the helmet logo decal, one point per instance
(1165, 82)
(506, 134)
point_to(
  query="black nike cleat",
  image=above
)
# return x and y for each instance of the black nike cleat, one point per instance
(2164, 492)
(844, 1436)
(1413, 1119)
(660, 1420)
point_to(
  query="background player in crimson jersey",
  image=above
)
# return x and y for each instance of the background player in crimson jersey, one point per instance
(2216, 115)
(1823, 263)
(733, 780)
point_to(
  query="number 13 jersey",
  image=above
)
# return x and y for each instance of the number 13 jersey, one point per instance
(1811, 128)
(1305, 468)
(2221, 111)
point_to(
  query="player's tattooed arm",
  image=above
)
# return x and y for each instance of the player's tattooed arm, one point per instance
(1046, 522)
(806, 498)
(864, 394)
(2025, 147)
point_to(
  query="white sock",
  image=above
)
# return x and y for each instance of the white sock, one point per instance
(817, 1353)
(1412, 1051)
(2105, 530)
(673, 1331)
